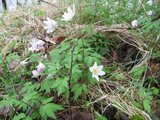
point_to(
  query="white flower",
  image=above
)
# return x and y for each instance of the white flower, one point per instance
(150, 2)
(40, 68)
(134, 23)
(35, 73)
(67, 16)
(36, 45)
(50, 25)
(149, 13)
(97, 71)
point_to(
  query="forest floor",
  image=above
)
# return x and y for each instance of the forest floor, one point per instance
(100, 38)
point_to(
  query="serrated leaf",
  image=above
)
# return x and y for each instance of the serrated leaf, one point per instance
(78, 89)
(48, 110)
(19, 116)
(28, 118)
(47, 85)
(45, 101)
(61, 85)
(43, 113)
(78, 92)
(85, 89)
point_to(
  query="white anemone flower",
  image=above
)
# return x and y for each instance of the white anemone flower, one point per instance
(40, 68)
(149, 13)
(50, 25)
(67, 16)
(150, 2)
(96, 71)
(35, 74)
(36, 45)
(134, 23)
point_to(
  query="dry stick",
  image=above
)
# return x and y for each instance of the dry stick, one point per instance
(70, 78)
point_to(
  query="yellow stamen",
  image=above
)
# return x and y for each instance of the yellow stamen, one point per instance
(95, 71)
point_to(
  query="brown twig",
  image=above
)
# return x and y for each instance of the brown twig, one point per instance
(70, 78)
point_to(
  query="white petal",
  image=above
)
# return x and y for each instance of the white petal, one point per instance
(69, 10)
(30, 49)
(50, 30)
(91, 69)
(97, 77)
(67, 16)
(150, 2)
(35, 73)
(95, 64)
(100, 67)
(101, 73)
(46, 22)
(41, 67)
(48, 19)
(134, 23)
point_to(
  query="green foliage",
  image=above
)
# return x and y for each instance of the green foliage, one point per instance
(61, 85)
(48, 110)
(33, 98)
(19, 116)
(99, 117)
(83, 57)
(156, 54)
(147, 105)
(39, 13)
(138, 71)
(144, 99)
(137, 117)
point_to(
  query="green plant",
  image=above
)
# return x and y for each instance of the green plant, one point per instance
(137, 117)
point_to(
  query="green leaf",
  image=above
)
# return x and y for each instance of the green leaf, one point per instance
(45, 101)
(77, 92)
(147, 105)
(155, 91)
(138, 71)
(85, 89)
(99, 117)
(19, 116)
(48, 110)
(118, 76)
(39, 13)
(28, 118)
(138, 105)
(61, 85)
(78, 89)
(47, 85)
